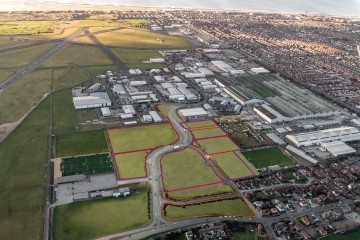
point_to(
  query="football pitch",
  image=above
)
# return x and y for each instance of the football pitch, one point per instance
(92, 164)
(268, 157)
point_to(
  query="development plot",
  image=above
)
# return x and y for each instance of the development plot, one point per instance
(141, 138)
(90, 164)
(217, 145)
(186, 169)
(80, 143)
(96, 218)
(199, 124)
(131, 165)
(208, 132)
(232, 207)
(234, 166)
(268, 157)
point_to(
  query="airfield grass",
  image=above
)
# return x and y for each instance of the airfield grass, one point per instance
(145, 137)
(231, 165)
(186, 168)
(232, 207)
(89, 164)
(200, 192)
(77, 55)
(96, 218)
(64, 114)
(69, 77)
(85, 115)
(96, 70)
(80, 143)
(6, 42)
(135, 58)
(83, 41)
(23, 156)
(28, 27)
(5, 73)
(215, 145)
(21, 57)
(200, 124)
(212, 132)
(131, 165)
(141, 38)
(268, 157)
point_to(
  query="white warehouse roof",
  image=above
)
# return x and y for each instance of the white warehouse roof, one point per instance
(128, 109)
(259, 70)
(345, 134)
(98, 99)
(119, 89)
(338, 148)
(190, 112)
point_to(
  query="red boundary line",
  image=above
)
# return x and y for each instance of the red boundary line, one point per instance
(192, 187)
(133, 151)
(145, 168)
(205, 138)
(222, 152)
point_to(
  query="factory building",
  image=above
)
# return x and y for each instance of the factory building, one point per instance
(137, 83)
(259, 70)
(157, 60)
(128, 109)
(119, 89)
(338, 148)
(95, 87)
(193, 114)
(98, 99)
(155, 116)
(344, 134)
(105, 112)
(135, 72)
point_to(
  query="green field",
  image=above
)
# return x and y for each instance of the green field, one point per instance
(268, 157)
(28, 27)
(186, 168)
(215, 145)
(77, 55)
(135, 58)
(90, 164)
(145, 137)
(200, 191)
(351, 235)
(23, 156)
(9, 42)
(232, 165)
(21, 57)
(5, 73)
(244, 236)
(131, 165)
(80, 143)
(232, 207)
(63, 112)
(199, 124)
(69, 77)
(212, 132)
(140, 38)
(96, 218)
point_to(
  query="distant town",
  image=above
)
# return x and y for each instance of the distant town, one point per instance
(177, 124)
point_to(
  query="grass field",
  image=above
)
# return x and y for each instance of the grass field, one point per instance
(200, 124)
(140, 38)
(215, 145)
(199, 192)
(96, 218)
(232, 165)
(80, 143)
(354, 234)
(63, 112)
(28, 27)
(6, 42)
(268, 157)
(186, 168)
(137, 138)
(24, 94)
(212, 132)
(233, 207)
(131, 165)
(19, 58)
(77, 55)
(23, 156)
(135, 58)
(90, 164)
(5, 73)
(245, 236)
(69, 77)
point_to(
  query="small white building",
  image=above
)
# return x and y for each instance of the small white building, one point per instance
(105, 112)
(121, 192)
(119, 89)
(260, 70)
(128, 109)
(157, 60)
(147, 118)
(155, 116)
(135, 72)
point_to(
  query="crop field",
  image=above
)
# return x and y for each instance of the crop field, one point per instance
(135, 58)
(216, 145)
(131, 165)
(234, 166)
(77, 55)
(209, 132)
(23, 156)
(21, 57)
(139, 39)
(220, 188)
(90, 164)
(141, 138)
(232, 207)
(268, 157)
(96, 218)
(80, 143)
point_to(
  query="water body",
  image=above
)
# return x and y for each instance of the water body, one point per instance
(323, 7)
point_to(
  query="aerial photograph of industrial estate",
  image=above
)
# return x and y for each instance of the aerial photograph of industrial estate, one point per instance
(179, 120)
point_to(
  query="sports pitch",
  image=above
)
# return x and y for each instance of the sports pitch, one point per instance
(91, 164)
(131, 165)
(141, 138)
(232, 207)
(268, 157)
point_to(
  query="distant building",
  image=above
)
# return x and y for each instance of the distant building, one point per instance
(119, 89)
(105, 112)
(193, 114)
(155, 116)
(121, 192)
(98, 99)
(128, 109)
(95, 87)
